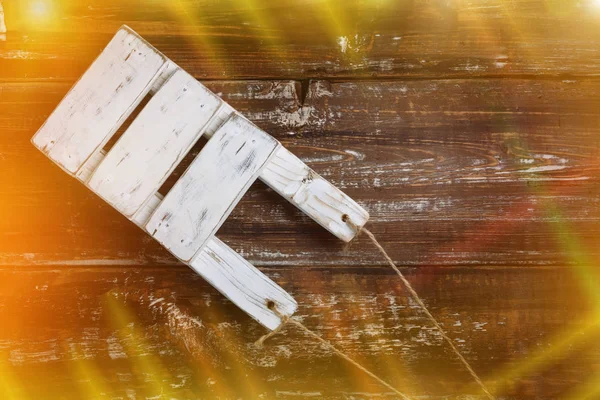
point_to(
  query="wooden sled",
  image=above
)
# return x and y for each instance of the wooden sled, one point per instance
(179, 112)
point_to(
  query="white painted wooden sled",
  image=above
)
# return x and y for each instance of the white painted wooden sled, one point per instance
(180, 111)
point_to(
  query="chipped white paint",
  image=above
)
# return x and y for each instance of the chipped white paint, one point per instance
(224, 269)
(107, 94)
(357, 155)
(180, 111)
(205, 195)
(343, 42)
(319, 199)
(103, 130)
(543, 168)
(115, 349)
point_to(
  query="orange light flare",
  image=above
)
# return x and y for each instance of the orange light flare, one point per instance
(595, 6)
(34, 15)
(40, 12)
(40, 9)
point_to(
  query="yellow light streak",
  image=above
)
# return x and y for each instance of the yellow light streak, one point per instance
(40, 9)
(87, 375)
(147, 366)
(194, 27)
(38, 15)
(577, 254)
(271, 33)
(560, 346)
(10, 387)
(588, 390)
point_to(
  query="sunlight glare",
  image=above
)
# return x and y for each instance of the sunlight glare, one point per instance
(40, 9)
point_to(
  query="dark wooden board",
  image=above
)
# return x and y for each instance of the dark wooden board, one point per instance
(469, 129)
(453, 172)
(314, 39)
(129, 332)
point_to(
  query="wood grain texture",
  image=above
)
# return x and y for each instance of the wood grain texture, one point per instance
(313, 195)
(469, 172)
(129, 176)
(317, 39)
(117, 320)
(107, 93)
(243, 284)
(469, 129)
(297, 183)
(155, 143)
(202, 199)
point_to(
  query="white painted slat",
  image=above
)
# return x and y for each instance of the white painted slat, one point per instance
(316, 197)
(243, 284)
(155, 143)
(186, 220)
(204, 196)
(233, 276)
(224, 268)
(2, 24)
(101, 100)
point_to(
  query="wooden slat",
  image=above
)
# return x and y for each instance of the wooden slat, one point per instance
(234, 276)
(243, 284)
(213, 184)
(312, 194)
(303, 187)
(220, 265)
(155, 143)
(100, 101)
(129, 176)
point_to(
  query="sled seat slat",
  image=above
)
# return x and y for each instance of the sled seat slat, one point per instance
(313, 195)
(238, 280)
(243, 284)
(100, 101)
(129, 175)
(204, 196)
(155, 143)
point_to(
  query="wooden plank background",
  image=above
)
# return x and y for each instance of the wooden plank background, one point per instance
(469, 129)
